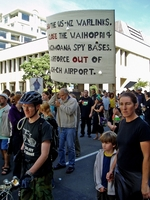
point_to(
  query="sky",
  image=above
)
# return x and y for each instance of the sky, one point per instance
(136, 13)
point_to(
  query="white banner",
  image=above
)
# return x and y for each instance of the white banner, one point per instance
(82, 46)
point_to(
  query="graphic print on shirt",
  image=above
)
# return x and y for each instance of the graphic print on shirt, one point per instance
(29, 143)
(85, 103)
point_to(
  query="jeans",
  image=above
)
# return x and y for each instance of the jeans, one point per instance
(67, 134)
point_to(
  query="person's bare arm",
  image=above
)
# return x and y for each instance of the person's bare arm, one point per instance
(145, 147)
(45, 148)
(111, 126)
(110, 174)
(100, 109)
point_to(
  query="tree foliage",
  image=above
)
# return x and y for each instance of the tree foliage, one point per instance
(140, 83)
(40, 67)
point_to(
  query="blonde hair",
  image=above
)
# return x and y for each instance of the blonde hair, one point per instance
(109, 136)
(45, 107)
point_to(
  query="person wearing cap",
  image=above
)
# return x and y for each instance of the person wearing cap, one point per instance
(6, 91)
(5, 131)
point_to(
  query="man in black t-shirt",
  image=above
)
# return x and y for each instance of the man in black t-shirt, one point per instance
(85, 104)
(36, 147)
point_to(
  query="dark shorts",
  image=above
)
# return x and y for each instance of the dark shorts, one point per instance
(3, 144)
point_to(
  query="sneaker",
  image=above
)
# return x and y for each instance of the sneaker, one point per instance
(70, 170)
(59, 166)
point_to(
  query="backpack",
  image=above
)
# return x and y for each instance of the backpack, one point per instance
(54, 142)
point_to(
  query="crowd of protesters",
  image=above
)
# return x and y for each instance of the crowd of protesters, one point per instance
(122, 166)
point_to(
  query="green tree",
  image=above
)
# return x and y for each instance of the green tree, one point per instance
(40, 67)
(140, 83)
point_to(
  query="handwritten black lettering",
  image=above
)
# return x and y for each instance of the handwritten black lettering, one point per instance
(87, 35)
(99, 47)
(60, 59)
(58, 47)
(93, 22)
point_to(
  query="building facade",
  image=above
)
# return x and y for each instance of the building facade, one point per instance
(19, 26)
(132, 54)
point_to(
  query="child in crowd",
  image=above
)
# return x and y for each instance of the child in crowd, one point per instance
(103, 162)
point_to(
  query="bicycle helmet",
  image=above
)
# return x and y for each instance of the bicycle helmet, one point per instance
(31, 97)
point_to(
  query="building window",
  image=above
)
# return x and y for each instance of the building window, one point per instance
(3, 34)
(14, 65)
(2, 45)
(22, 86)
(10, 66)
(15, 37)
(1, 68)
(5, 67)
(19, 62)
(43, 33)
(12, 87)
(126, 58)
(121, 54)
(25, 17)
(27, 39)
(5, 19)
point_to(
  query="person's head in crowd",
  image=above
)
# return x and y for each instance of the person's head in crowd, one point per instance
(139, 90)
(105, 94)
(99, 92)
(98, 100)
(111, 95)
(45, 96)
(63, 94)
(81, 94)
(31, 103)
(3, 99)
(18, 92)
(15, 98)
(11, 96)
(85, 93)
(6, 91)
(128, 104)
(147, 95)
(45, 109)
(93, 91)
(109, 140)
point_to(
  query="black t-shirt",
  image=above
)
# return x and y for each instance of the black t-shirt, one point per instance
(85, 106)
(33, 138)
(130, 135)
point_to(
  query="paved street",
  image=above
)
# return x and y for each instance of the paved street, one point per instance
(79, 185)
